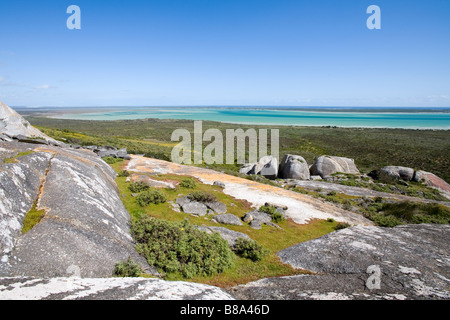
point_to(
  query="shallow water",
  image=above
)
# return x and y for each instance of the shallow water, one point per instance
(360, 118)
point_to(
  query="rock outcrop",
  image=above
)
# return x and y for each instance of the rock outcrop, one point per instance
(199, 208)
(267, 166)
(228, 235)
(405, 262)
(106, 289)
(13, 125)
(325, 166)
(84, 225)
(294, 167)
(433, 181)
(390, 173)
(227, 218)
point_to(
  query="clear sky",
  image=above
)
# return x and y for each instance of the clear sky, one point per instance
(225, 52)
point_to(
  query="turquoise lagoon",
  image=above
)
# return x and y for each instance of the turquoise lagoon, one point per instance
(341, 117)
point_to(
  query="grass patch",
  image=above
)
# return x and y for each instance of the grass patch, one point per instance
(15, 159)
(111, 160)
(32, 218)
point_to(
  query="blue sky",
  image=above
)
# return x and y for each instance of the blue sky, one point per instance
(225, 52)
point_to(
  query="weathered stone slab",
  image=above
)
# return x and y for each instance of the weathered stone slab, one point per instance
(19, 187)
(85, 226)
(227, 218)
(407, 262)
(107, 289)
(229, 235)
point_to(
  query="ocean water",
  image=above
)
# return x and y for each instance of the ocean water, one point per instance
(360, 117)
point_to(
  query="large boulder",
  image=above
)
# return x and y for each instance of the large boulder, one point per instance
(109, 151)
(267, 166)
(294, 167)
(13, 124)
(390, 173)
(432, 180)
(325, 166)
(405, 262)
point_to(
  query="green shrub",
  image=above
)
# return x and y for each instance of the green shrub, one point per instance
(346, 204)
(138, 186)
(111, 160)
(188, 183)
(270, 210)
(178, 247)
(414, 212)
(382, 220)
(342, 225)
(127, 268)
(202, 196)
(277, 217)
(150, 196)
(273, 212)
(123, 173)
(249, 249)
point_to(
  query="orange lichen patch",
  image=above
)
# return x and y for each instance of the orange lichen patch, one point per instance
(44, 148)
(67, 154)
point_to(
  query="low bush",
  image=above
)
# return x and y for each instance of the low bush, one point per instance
(273, 212)
(388, 221)
(249, 249)
(188, 183)
(278, 217)
(138, 186)
(150, 196)
(178, 247)
(111, 160)
(415, 212)
(127, 268)
(202, 196)
(342, 225)
(123, 173)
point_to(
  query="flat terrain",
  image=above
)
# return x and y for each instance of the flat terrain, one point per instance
(427, 150)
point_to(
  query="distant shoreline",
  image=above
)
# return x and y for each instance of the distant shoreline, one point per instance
(358, 117)
(75, 109)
